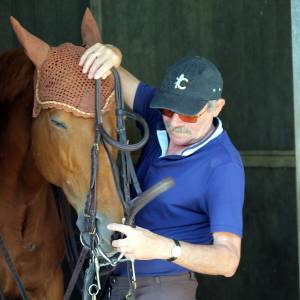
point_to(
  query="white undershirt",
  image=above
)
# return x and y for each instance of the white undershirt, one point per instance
(163, 140)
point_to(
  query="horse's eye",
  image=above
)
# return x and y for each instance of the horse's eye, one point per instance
(58, 123)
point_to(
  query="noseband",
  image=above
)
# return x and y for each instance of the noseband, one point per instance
(123, 176)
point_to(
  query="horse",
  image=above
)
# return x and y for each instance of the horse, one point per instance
(47, 131)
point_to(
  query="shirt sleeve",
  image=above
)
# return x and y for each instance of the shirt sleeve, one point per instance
(225, 198)
(142, 99)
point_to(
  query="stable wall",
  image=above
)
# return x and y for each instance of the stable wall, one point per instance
(250, 42)
(54, 21)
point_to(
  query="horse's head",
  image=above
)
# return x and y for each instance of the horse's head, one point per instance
(63, 129)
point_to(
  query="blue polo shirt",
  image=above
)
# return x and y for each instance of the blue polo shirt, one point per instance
(208, 193)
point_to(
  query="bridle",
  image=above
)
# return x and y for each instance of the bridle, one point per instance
(12, 270)
(90, 238)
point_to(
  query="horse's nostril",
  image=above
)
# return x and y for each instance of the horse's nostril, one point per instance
(116, 236)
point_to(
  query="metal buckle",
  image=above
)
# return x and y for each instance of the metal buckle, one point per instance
(83, 243)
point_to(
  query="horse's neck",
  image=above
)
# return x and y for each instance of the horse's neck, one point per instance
(30, 184)
(21, 185)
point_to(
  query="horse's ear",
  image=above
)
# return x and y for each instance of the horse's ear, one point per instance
(90, 33)
(36, 49)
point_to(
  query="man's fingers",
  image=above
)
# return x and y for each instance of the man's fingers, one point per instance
(92, 56)
(120, 243)
(130, 255)
(121, 228)
(96, 66)
(90, 59)
(88, 52)
(106, 75)
(98, 60)
(103, 70)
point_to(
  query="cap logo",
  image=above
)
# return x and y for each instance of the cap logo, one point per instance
(179, 80)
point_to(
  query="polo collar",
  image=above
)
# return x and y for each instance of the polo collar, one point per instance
(163, 140)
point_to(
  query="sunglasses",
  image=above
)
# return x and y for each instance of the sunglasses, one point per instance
(185, 118)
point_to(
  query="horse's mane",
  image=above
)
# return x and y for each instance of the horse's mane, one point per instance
(16, 82)
(16, 74)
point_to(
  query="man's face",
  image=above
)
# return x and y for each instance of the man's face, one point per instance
(184, 133)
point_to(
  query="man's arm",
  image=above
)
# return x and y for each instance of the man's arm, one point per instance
(129, 86)
(220, 258)
(98, 60)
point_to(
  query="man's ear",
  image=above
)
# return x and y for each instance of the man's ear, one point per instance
(219, 106)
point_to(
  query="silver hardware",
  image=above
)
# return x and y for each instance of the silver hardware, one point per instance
(83, 242)
(93, 294)
(133, 279)
(88, 279)
(97, 265)
(105, 264)
(98, 252)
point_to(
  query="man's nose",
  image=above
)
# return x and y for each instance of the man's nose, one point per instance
(175, 120)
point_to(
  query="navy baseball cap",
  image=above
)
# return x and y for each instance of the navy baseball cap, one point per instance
(188, 85)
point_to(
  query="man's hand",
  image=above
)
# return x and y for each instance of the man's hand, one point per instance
(141, 243)
(220, 258)
(98, 60)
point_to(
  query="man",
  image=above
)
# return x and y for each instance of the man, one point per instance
(197, 225)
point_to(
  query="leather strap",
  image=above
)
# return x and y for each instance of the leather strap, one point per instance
(76, 273)
(13, 269)
(173, 257)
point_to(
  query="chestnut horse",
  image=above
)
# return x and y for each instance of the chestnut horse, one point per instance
(51, 147)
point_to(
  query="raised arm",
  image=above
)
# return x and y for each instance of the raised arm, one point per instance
(98, 60)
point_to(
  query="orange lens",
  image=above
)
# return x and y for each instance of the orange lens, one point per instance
(188, 119)
(166, 112)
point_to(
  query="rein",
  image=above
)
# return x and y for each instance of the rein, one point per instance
(90, 239)
(12, 270)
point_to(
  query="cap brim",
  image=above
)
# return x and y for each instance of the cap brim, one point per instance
(182, 105)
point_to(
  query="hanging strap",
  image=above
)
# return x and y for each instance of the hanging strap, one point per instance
(12, 269)
(76, 273)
